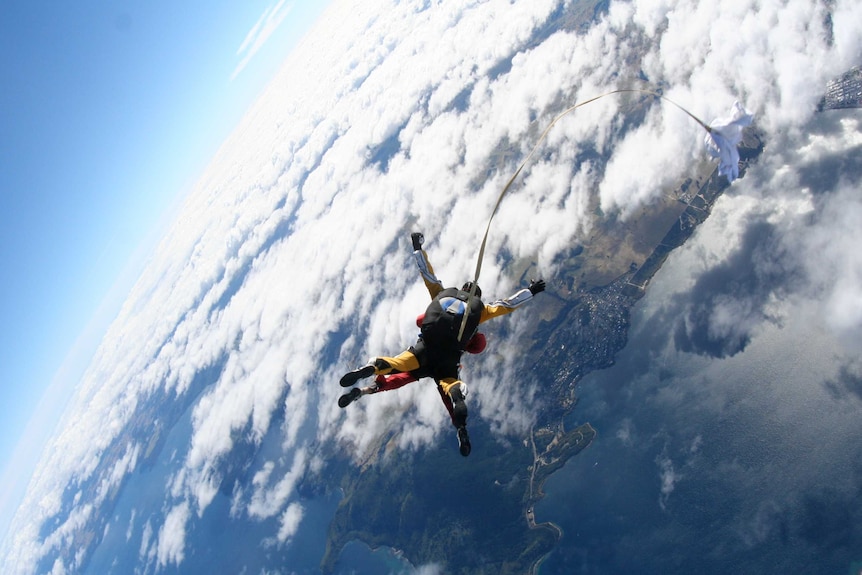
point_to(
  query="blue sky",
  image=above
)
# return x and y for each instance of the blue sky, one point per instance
(108, 114)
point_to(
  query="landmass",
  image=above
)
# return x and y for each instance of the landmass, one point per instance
(479, 518)
(470, 519)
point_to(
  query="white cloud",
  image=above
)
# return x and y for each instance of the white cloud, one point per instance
(172, 535)
(267, 501)
(145, 540)
(668, 477)
(624, 433)
(123, 466)
(58, 568)
(826, 234)
(289, 522)
(131, 527)
(505, 393)
(429, 569)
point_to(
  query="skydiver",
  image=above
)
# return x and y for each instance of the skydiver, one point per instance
(397, 380)
(438, 350)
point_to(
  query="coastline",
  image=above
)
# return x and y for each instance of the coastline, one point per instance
(585, 325)
(615, 299)
(563, 446)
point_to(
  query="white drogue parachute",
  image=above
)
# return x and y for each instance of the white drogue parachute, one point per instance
(721, 140)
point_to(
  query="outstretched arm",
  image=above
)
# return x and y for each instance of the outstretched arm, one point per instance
(514, 301)
(433, 284)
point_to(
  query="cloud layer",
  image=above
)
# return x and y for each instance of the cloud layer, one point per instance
(289, 262)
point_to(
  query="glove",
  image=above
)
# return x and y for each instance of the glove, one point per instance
(537, 286)
(418, 239)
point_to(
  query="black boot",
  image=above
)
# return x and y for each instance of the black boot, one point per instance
(349, 397)
(352, 377)
(463, 441)
(459, 406)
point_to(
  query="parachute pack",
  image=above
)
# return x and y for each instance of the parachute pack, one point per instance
(444, 317)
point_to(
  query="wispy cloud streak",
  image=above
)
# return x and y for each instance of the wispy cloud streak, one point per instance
(266, 25)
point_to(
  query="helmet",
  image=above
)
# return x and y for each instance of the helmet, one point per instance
(469, 285)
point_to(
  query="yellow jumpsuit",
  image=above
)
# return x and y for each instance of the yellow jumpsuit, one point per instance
(408, 360)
